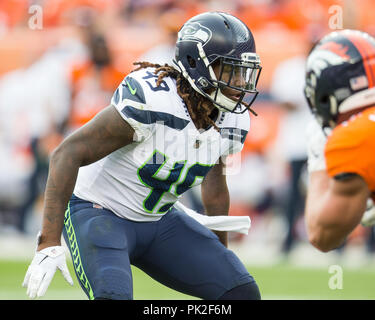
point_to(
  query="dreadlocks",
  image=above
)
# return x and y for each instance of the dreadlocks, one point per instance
(198, 106)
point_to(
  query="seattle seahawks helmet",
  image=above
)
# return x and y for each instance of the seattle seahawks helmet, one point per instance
(219, 39)
(340, 75)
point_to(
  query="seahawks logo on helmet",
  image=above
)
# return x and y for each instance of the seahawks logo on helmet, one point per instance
(194, 32)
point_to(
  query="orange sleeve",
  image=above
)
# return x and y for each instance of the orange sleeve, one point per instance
(351, 148)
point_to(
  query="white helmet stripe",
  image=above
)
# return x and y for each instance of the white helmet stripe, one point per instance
(358, 100)
(202, 54)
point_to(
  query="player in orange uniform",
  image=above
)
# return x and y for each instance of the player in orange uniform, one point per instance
(340, 89)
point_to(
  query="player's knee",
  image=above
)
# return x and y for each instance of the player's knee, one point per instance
(247, 291)
(113, 284)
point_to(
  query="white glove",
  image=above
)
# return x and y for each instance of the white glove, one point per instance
(42, 269)
(316, 141)
(368, 218)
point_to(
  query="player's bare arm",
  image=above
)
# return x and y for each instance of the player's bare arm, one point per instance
(334, 208)
(215, 195)
(101, 136)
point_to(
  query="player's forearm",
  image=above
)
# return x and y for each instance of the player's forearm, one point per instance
(323, 234)
(319, 233)
(215, 197)
(217, 206)
(215, 194)
(327, 217)
(317, 190)
(62, 176)
(220, 206)
(326, 238)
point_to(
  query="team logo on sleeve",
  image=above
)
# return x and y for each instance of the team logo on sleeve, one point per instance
(194, 32)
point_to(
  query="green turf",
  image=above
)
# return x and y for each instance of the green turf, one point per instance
(277, 282)
(288, 282)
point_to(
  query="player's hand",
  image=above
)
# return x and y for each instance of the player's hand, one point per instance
(42, 269)
(368, 218)
(316, 141)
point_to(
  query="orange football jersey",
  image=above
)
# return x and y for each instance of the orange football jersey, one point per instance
(351, 148)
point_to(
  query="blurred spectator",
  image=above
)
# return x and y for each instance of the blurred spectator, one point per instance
(12, 13)
(93, 81)
(34, 103)
(287, 90)
(170, 23)
(61, 12)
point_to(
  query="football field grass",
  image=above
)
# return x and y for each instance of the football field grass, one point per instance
(281, 281)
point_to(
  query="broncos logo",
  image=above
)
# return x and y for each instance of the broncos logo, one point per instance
(329, 54)
(340, 49)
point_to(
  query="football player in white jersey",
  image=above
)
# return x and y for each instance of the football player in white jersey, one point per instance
(117, 179)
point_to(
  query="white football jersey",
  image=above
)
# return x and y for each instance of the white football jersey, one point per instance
(143, 180)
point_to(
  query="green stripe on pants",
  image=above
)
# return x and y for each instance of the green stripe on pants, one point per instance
(73, 246)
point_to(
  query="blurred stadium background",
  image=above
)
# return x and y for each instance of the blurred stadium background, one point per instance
(60, 61)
